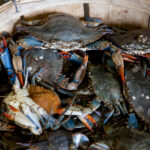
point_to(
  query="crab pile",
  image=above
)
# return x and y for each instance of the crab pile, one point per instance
(64, 73)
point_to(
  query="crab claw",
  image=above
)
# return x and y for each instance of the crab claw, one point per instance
(72, 57)
(20, 119)
(84, 121)
(118, 61)
(17, 64)
(79, 76)
(129, 58)
(81, 117)
(83, 113)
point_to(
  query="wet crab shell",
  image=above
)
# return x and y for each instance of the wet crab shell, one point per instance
(139, 94)
(49, 60)
(106, 86)
(135, 42)
(123, 139)
(63, 28)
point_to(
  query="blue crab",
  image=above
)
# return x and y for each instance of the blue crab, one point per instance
(124, 139)
(107, 89)
(60, 140)
(135, 42)
(46, 66)
(63, 32)
(139, 94)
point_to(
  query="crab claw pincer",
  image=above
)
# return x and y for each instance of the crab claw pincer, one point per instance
(79, 76)
(22, 120)
(118, 61)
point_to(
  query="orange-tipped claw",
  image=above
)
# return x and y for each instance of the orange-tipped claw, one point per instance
(20, 77)
(8, 116)
(86, 57)
(130, 60)
(121, 73)
(91, 119)
(129, 56)
(60, 111)
(85, 123)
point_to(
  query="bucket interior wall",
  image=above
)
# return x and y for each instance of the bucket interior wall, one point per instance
(125, 13)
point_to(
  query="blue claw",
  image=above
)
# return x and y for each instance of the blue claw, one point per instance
(132, 121)
(6, 60)
(72, 57)
(28, 42)
(76, 59)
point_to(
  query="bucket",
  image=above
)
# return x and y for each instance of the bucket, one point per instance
(123, 13)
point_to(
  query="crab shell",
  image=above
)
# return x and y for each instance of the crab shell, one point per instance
(106, 86)
(139, 94)
(135, 42)
(49, 60)
(123, 139)
(66, 28)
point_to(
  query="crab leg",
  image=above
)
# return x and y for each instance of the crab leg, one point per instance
(79, 76)
(82, 113)
(84, 121)
(22, 120)
(17, 64)
(109, 116)
(72, 57)
(118, 61)
(146, 55)
(129, 56)
(81, 117)
(6, 60)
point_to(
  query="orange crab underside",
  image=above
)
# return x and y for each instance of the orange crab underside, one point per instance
(45, 98)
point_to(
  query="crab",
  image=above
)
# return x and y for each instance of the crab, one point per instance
(46, 66)
(125, 139)
(107, 89)
(23, 110)
(60, 140)
(63, 32)
(136, 42)
(138, 90)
